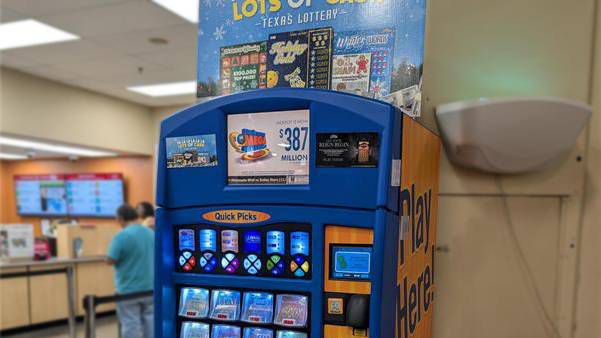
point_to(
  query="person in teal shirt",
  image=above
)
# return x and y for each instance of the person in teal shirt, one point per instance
(131, 253)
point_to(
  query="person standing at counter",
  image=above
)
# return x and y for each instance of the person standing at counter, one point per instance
(131, 253)
(146, 213)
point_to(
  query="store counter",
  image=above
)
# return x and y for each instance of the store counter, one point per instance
(39, 299)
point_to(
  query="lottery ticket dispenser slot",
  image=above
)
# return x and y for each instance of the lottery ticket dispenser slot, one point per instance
(357, 312)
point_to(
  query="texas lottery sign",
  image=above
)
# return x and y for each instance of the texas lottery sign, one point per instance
(372, 48)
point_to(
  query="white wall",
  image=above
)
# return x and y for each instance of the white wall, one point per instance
(40, 108)
(486, 288)
(588, 295)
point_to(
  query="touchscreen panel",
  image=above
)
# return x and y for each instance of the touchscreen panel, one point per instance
(351, 262)
(268, 148)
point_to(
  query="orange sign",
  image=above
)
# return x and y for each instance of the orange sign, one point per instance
(236, 216)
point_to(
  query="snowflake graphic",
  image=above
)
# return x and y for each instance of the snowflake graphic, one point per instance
(229, 22)
(220, 3)
(207, 3)
(219, 33)
(201, 32)
(377, 87)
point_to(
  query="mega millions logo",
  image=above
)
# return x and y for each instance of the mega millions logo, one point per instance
(251, 144)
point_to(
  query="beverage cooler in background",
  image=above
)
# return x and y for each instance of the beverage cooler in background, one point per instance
(294, 213)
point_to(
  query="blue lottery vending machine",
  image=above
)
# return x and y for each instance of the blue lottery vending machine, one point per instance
(291, 213)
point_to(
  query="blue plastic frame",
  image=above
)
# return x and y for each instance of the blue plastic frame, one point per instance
(384, 224)
(365, 188)
(357, 197)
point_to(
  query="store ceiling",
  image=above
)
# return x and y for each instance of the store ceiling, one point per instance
(114, 51)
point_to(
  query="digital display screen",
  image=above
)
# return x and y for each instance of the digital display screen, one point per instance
(41, 195)
(186, 240)
(93, 195)
(252, 241)
(276, 242)
(208, 240)
(97, 195)
(268, 148)
(351, 262)
(229, 240)
(299, 243)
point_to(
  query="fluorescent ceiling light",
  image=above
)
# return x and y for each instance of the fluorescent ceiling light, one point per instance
(166, 89)
(7, 156)
(54, 148)
(187, 9)
(30, 33)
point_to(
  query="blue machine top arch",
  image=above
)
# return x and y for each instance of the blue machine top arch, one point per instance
(364, 188)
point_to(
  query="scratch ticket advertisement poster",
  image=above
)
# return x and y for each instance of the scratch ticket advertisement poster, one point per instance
(243, 67)
(363, 62)
(268, 148)
(299, 59)
(384, 37)
(191, 151)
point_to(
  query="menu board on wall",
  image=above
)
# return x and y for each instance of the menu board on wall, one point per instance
(94, 195)
(41, 195)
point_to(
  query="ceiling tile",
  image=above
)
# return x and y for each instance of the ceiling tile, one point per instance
(183, 59)
(123, 93)
(119, 18)
(151, 77)
(51, 72)
(36, 8)
(178, 37)
(114, 46)
(106, 69)
(63, 53)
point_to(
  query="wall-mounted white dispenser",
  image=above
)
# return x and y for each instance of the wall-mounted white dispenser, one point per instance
(510, 136)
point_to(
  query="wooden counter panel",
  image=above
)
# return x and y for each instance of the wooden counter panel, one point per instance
(14, 301)
(94, 279)
(48, 295)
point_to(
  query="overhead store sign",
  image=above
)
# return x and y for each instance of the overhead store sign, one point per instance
(372, 48)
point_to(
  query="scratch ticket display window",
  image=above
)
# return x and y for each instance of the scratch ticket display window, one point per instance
(268, 148)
